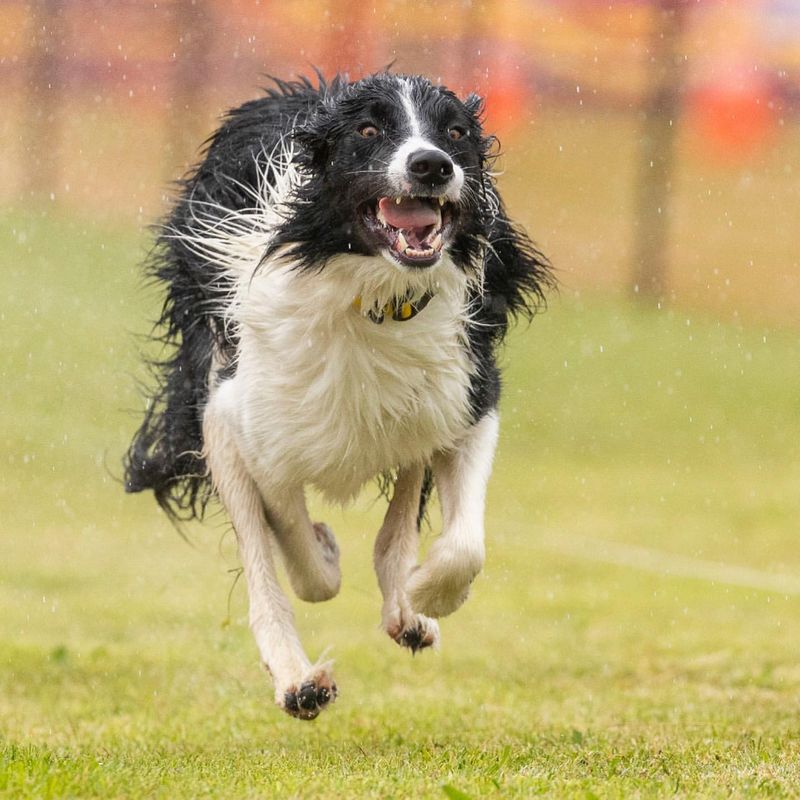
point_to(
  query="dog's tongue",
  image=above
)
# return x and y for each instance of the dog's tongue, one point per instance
(408, 213)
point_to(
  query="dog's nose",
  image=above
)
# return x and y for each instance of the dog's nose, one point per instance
(431, 167)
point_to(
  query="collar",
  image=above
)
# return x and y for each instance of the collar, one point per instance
(401, 309)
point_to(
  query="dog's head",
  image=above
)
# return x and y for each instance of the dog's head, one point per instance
(394, 166)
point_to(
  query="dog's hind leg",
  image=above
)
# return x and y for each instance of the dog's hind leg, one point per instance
(301, 689)
(309, 549)
(395, 556)
(441, 583)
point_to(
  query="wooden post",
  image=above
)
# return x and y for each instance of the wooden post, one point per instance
(193, 30)
(41, 137)
(656, 150)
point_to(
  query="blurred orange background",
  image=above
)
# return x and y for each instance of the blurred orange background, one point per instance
(107, 102)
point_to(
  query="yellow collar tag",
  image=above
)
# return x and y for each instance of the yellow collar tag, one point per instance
(400, 309)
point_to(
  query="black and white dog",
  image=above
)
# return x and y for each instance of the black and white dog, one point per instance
(339, 272)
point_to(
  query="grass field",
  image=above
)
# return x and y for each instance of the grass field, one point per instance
(635, 631)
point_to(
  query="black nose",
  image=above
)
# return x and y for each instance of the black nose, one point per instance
(432, 167)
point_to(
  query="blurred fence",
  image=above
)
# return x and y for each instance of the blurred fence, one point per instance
(106, 101)
(513, 49)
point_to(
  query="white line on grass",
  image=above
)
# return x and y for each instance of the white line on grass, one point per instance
(667, 564)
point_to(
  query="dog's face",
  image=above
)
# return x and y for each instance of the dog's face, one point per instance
(396, 168)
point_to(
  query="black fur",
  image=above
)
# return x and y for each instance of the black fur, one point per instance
(346, 170)
(342, 172)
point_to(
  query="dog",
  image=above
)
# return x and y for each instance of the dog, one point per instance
(339, 273)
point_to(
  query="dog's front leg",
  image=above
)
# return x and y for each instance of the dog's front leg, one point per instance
(301, 689)
(441, 583)
(395, 556)
(309, 549)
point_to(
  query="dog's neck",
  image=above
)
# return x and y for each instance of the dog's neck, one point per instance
(400, 309)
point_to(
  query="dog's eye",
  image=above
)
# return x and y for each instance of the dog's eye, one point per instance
(368, 131)
(456, 133)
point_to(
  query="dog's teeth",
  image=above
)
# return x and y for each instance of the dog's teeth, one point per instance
(437, 242)
(401, 240)
(442, 201)
(398, 200)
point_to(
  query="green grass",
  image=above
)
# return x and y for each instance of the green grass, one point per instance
(124, 673)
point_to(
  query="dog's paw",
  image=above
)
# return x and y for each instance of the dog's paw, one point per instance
(422, 633)
(305, 699)
(318, 579)
(414, 631)
(441, 584)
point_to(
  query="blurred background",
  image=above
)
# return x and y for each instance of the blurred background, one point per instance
(649, 144)
(643, 520)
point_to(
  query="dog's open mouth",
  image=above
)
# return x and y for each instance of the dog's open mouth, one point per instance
(414, 229)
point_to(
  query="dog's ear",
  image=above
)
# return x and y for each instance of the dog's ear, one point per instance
(314, 139)
(475, 104)
(516, 274)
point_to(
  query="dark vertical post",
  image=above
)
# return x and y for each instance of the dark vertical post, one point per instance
(656, 149)
(193, 29)
(41, 136)
(472, 40)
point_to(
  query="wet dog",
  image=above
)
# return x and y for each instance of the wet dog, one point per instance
(339, 272)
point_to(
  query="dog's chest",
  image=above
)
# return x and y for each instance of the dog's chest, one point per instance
(337, 400)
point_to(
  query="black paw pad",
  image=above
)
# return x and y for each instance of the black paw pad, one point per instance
(308, 700)
(307, 697)
(290, 702)
(412, 638)
(415, 639)
(325, 695)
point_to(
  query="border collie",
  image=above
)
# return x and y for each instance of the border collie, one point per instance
(339, 272)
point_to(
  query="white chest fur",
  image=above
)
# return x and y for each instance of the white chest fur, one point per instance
(324, 395)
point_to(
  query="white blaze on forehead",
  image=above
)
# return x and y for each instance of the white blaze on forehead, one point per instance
(398, 166)
(411, 111)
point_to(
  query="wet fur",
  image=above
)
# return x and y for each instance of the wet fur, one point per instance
(247, 157)
(278, 374)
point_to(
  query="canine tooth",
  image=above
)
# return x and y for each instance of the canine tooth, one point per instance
(398, 200)
(442, 201)
(401, 240)
(437, 241)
